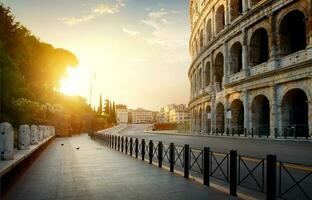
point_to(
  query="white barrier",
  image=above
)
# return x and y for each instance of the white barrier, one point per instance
(6, 141)
(41, 130)
(23, 137)
(34, 134)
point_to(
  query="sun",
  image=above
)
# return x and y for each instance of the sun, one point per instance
(76, 82)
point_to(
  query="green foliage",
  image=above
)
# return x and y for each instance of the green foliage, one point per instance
(24, 109)
(30, 71)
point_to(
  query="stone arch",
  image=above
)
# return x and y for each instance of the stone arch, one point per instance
(208, 117)
(220, 19)
(236, 58)
(220, 118)
(219, 62)
(207, 73)
(208, 30)
(236, 7)
(259, 47)
(260, 110)
(292, 31)
(295, 111)
(237, 115)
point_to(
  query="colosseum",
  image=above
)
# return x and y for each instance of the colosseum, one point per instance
(251, 70)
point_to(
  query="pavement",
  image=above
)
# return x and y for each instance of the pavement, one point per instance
(84, 169)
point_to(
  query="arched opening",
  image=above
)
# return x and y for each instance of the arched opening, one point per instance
(295, 113)
(220, 19)
(292, 33)
(207, 73)
(219, 69)
(208, 122)
(236, 58)
(201, 38)
(237, 116)
(236, 8)
(220, 118)
(259, 47)
(254, 2)
(208, 29)
(261, 115)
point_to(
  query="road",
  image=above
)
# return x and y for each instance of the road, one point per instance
(297, 152)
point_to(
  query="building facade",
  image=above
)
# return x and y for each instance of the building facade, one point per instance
(141, 116)
(251, 67)
(174, 113)
(122, 114)
(179, 116)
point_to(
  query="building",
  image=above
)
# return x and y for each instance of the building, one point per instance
(141, 116)
(156, 117)
(251, 67)
(174, 113)
(122, 114)
(179, 116)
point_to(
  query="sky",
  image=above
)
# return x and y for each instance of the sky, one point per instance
(135, 52)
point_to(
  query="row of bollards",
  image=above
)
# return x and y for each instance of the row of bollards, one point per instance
(27, 135)
(125, 145)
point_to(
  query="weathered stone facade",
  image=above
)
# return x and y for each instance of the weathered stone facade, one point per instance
(251, 67)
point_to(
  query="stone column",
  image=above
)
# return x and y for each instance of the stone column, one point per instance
(310, 25)
(246, 109)
(191, 119)
(310, 118)
(213, 115)
(245, 5)
(226, 108)
(273, 41)
(213, 28)
(211, 70)
(225, 62)
(227, 13)
(276, 113)
(203, 75)
(203, 119)
(245, 66)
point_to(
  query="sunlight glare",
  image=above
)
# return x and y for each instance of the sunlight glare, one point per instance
(76, 82)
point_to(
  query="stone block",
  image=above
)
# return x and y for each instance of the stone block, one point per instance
(34, 134)
(23, 137)
(6, 141)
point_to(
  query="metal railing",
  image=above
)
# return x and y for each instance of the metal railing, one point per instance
(290, 131)
(277, 179)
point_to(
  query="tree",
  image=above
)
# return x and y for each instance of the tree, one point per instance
(107, 107)
(100, 108)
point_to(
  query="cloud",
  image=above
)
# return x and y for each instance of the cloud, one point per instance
(130, 32)
(168, 34)
(98, 10)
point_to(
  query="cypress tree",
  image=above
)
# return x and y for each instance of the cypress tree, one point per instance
(114, 113)
(100, 108)
(107, 106)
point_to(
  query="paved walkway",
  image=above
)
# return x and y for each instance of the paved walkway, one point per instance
(97, 172)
